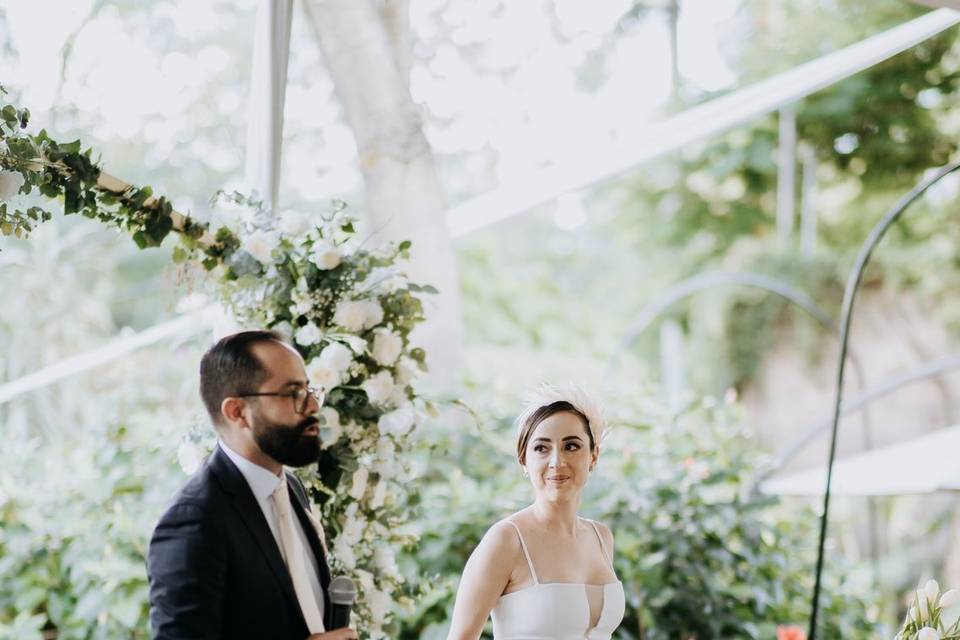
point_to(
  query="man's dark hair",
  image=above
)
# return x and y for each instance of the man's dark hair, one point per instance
(229, 368)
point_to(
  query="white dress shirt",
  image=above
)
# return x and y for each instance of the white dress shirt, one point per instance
(263, 483)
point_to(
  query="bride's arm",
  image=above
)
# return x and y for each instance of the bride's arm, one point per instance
(483, 581)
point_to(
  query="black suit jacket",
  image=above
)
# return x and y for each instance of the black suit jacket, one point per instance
(215, 568)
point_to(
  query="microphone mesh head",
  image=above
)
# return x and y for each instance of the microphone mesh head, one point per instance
(342, 591)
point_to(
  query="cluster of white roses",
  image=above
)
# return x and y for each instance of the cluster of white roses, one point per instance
(331, 299)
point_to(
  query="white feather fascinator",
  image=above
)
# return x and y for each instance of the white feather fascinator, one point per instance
(547, 394)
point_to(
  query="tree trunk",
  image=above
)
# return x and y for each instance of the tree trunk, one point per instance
(367, 48)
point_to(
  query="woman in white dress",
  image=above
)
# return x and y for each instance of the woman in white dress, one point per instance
(544, 573)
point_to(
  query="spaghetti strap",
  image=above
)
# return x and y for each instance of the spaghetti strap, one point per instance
(600, 538)
(526, 554)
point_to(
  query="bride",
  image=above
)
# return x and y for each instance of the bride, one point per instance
(544, 572)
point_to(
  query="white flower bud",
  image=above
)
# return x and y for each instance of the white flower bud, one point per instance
(928, 633)
(949, 599)
(359, 487)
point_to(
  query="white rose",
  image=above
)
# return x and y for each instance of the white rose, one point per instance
(384, 558)
(380, 604)
(399, 397)
(352, 530)
(932, 590)
(386, 346)
(10, 183)
(360, 477)
(284, 328)
(397, 422)
(190, 456)
(928, 633)
(337, 356)
(407, 370)
(322, 374)
(350, 314)
(294, 224)
(379, 494)
(309, 334)
(949, 598)
(373, 313)
(378, 387)
(260, 245)
(365, 578)
(331, 427)
(325, 255)
(344, 554)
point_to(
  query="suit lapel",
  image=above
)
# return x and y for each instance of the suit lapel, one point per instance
(245, 503)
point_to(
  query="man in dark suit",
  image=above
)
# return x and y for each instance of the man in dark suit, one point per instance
(237, 556)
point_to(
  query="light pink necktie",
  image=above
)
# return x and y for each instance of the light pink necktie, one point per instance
(295, 556)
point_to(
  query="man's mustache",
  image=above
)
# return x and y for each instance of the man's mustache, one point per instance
(307, 423)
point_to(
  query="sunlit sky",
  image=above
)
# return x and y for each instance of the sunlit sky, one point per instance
(532, 115)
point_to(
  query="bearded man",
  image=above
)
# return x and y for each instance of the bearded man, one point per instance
(239, 554)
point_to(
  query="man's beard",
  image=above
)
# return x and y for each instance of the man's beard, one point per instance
(286, 444)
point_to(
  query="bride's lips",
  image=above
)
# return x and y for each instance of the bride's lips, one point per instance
(558, 479)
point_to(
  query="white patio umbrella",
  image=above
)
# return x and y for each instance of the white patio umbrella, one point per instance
(921, 465)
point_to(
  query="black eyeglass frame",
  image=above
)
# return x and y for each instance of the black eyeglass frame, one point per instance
(299, 403)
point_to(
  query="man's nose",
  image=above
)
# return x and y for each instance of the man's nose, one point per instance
(313, 403)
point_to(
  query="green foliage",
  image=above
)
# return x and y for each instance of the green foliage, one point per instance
(66, 172)
(76, 515)
(874, 135)
(699, 554)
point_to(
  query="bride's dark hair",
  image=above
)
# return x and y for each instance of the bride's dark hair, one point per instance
(533, 419)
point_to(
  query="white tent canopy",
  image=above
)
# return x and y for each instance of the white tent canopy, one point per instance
(922, 465)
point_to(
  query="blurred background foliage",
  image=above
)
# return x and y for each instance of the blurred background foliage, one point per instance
(88, 464)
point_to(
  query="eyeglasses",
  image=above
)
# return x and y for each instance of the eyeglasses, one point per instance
(301, 397)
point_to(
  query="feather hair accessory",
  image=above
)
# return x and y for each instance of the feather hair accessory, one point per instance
(546, 394)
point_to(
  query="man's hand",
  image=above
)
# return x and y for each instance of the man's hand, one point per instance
(337, 634)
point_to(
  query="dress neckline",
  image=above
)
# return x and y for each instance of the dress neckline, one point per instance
(563, 584)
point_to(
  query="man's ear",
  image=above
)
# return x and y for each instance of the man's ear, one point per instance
(232, 409)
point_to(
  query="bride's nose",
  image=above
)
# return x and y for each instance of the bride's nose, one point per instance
(555, 458)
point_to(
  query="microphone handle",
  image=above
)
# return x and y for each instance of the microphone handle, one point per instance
(340, 616)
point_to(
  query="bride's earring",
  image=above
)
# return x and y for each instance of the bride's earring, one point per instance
(526, 474)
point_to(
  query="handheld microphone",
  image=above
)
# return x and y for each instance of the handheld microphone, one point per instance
(343, 593)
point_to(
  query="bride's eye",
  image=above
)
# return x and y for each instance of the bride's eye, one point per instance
(573, 446)
(539, 448)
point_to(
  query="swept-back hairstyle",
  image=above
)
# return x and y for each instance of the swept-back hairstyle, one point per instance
(548, 400)
(229, 368)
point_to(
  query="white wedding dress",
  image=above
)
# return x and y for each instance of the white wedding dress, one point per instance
(557, 610)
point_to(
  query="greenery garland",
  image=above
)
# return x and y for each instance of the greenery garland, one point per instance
(349, 310)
